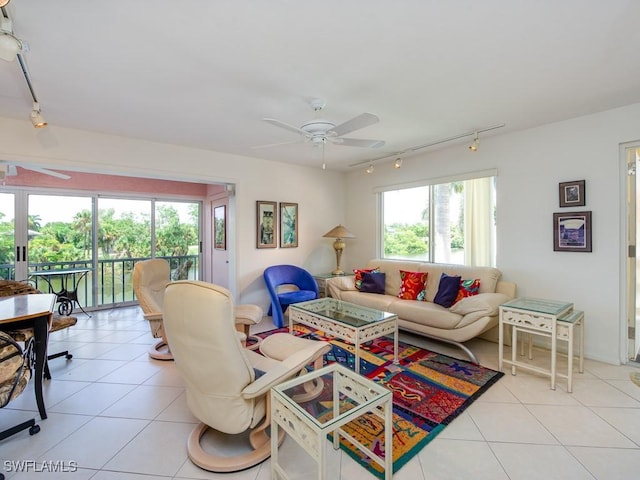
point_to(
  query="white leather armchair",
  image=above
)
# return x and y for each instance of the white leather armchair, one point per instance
(227, 385)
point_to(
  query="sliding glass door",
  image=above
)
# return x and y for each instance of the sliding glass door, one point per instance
(106, 236)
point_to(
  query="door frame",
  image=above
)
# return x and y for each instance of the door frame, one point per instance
(630, 293)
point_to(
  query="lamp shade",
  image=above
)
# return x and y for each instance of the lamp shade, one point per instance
(339, 232)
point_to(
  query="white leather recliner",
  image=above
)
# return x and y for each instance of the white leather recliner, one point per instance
(227, 386)
(150, 277)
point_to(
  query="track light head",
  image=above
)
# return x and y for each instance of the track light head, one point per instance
(369, 168)
(397, 163)
(4, 3)
(475, 144)
(10, 45)
(37, 119)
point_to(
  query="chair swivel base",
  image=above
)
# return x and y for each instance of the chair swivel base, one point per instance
(260, 442)
(160, 351)
(30, 424)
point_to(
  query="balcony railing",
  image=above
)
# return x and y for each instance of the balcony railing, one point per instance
(110, 284)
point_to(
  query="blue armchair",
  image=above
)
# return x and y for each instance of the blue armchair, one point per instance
(304, 288)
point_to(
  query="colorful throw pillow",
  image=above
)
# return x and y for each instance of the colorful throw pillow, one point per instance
(468, 288)
(358, 275)
(447, 290)
(412, 287)
(373, 282)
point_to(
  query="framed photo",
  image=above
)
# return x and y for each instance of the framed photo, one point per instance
(572, 194)
(266, 224)
(572, 232)
(220, 228)
(288, 225)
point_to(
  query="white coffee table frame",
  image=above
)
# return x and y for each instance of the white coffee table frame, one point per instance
(369, 323)
(311, 434)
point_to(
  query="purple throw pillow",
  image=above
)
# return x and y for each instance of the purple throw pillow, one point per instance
(447, 290)
(373, 282)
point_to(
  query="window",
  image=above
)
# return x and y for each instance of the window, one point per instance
(449, 222)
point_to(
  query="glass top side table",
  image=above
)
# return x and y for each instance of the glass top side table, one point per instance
(547, 318)
(352, 396)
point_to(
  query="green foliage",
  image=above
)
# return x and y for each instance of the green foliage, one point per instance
(406, 240)
(126, 237)
(457, 237)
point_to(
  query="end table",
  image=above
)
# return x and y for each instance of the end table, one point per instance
(547, 318)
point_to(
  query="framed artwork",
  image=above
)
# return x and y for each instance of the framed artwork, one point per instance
(288, 225)
(572, 232)
(572, 194)
(266, 224)
(220, 227)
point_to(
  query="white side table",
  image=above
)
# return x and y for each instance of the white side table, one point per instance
(546, 318)
(353, 396)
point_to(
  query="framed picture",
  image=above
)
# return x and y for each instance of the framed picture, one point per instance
(572, 194)
(266, 224)
(572, 232)
(220, 228)
(288, 225)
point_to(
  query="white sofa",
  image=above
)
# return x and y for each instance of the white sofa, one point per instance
(466, 319)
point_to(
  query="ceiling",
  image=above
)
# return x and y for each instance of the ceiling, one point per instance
(205, 73)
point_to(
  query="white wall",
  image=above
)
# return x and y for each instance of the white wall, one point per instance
(530, 165)
(319, 194)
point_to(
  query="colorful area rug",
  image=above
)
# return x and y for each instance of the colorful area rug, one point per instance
(429, 391)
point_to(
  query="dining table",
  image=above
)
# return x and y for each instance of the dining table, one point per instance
(31, 311)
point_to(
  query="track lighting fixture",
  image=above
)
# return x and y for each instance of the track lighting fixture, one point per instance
(37, 119)
(10, 45)
(397, 163)
(4, 3)
(369, 168)
(474, 145)
(408, 151)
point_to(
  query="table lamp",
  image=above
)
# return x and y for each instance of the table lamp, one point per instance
(339, 233)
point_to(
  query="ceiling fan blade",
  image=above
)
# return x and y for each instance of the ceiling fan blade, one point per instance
(357, 142)
(46, 171)
(286, 126)
(356, 123)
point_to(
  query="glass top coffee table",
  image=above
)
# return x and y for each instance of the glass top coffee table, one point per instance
(347, 321)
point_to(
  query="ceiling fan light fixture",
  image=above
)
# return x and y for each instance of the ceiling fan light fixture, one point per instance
(37, 119)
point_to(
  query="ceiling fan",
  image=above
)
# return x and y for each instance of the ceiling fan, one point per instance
(8, 169)
(320, 131)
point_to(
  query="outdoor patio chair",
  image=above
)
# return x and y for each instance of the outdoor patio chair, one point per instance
(14, 377)
(25, 335)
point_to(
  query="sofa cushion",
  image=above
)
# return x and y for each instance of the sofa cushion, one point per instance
(373, 282)
(425, 313)
(487, 303)
(447, 290)
(371, 300)
(468, 288)
(412, 287)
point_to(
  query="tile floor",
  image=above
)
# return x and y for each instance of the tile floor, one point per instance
(117, 415)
